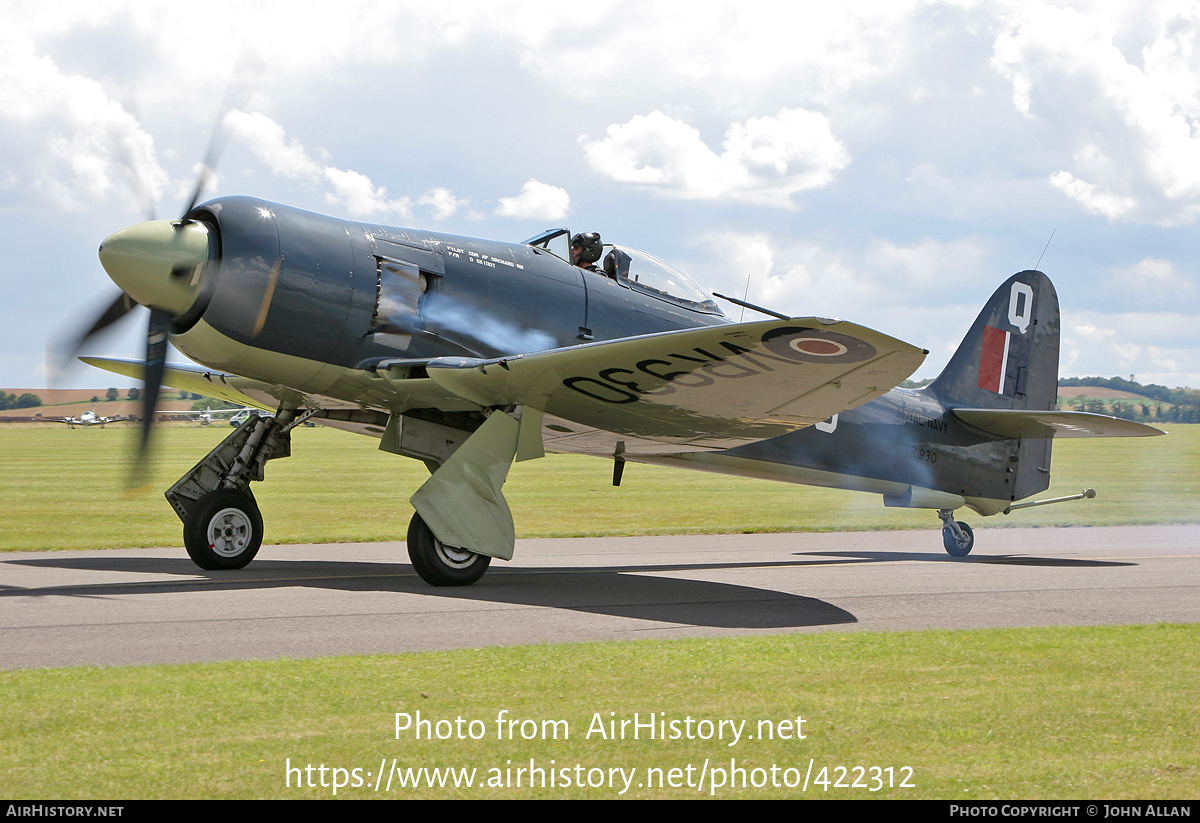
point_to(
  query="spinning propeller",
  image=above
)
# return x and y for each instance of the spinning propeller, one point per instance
(162, 265)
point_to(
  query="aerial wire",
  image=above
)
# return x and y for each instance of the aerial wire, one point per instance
(1043, 254)
(745, 296)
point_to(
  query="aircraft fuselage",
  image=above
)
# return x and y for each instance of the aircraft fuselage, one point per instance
(337, 292)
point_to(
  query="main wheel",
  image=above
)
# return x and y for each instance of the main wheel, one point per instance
(223, 530)
(439, 564)
(958, 546)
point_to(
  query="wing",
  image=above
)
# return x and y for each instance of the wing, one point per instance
(709, 388)
(1019, 424)
(695, 389)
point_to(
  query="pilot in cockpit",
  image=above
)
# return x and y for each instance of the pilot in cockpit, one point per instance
(586, 249)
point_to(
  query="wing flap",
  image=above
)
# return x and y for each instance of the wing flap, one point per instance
(714, 387)
(1022, 424)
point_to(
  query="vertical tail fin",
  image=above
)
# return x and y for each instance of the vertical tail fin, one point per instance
(1009, 360)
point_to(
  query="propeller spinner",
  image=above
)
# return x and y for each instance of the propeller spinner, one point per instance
(160, 265)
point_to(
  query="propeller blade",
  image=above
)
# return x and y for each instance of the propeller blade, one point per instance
(119, 308)
(156, 361)
(139, 164)
(241, 84)
(202, 180)
(60, 358)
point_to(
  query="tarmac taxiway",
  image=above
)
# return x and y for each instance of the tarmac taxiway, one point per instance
(136, 606)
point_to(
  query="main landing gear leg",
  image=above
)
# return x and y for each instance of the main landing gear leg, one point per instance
(222, 527)
(462, 505)
(956, 535)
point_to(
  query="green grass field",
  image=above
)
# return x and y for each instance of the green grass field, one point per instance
(1087, 713)
(64, 489)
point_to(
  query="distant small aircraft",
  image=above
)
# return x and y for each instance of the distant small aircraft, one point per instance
(86, 419)
(468, 354)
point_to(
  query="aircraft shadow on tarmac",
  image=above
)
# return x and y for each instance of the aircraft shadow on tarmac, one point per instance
(639, 591)
(939, 557)
(644, 592)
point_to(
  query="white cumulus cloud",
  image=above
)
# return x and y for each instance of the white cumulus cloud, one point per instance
(345, 188)
(765, 160)
(89, 147)
(1095, 199)
(1153, 284)
(442, 201)
(536, 201)
(269, 142)
(361, 197)
(1120, 83)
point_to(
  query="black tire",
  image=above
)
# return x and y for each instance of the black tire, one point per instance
(224, 530)
(956, 547)
(441, 565)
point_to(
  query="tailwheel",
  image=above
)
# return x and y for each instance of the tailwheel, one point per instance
(439, 564)
(957, 536)
(223, 530)
(958, 542)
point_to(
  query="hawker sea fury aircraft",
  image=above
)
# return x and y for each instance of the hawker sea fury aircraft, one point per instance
(467, 354)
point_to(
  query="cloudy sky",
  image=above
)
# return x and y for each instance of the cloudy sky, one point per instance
(888, 163)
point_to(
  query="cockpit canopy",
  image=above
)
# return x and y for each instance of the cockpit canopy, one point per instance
(636, 270)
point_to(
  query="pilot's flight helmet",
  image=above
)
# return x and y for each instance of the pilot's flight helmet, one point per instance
(590, 247)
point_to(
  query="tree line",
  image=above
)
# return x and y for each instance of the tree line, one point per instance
(1169, 406)
(1151, 390)
(28, 400)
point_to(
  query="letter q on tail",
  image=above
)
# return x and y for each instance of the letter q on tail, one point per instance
(1019, 314)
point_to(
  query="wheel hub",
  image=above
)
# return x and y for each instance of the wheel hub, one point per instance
(454, 556)
(229, 532)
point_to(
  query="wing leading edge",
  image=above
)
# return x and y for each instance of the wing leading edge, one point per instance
(200, 381)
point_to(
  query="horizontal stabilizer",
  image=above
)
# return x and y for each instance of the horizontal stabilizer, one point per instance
(1029, 425)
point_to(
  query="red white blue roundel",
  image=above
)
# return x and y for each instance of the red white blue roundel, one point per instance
(816, 345)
